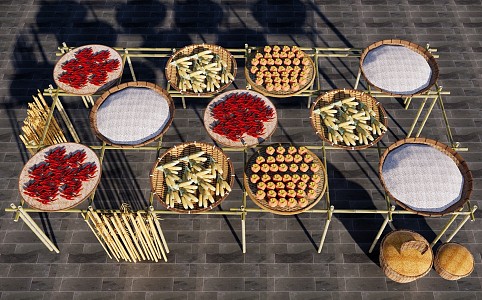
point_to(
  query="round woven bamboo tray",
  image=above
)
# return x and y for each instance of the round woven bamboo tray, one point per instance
(405, 256)
(89, 88)
(423, 52)
(453, 261)
(445, 149)
(335, 95)
(159, 187)
(134, 121)
(246, 140)
(252, 188)
(61, 203)
(250, 78)
(225, 55)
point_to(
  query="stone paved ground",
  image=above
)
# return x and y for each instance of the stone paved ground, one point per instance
(206, 261)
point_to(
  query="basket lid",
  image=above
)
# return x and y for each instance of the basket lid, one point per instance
(455, 259)
(406, 253)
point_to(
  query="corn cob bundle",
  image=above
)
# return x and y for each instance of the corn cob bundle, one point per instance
(35, 122)
(202, 72)
(193, 181)
(350, 122)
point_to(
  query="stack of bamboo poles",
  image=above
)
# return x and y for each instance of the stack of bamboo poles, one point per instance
(129, 236)
(35, 124)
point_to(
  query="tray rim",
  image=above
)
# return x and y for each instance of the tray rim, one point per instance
(459, 161)
(427, 55)
(117, 88)
(103, 88)
(212, 134)
(262, 90)
(353, 93)
(78, 202)
(192, 211)
(195, 46)
(278, 212)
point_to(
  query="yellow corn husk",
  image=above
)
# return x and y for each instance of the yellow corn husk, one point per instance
(226, 186)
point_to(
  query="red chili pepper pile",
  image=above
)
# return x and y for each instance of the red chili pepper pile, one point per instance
(88, 67)
(60, 173)
(240, 114)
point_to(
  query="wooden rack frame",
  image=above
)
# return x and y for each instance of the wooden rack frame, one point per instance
(127, 53)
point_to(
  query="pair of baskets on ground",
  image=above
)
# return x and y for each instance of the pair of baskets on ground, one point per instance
(406, 256)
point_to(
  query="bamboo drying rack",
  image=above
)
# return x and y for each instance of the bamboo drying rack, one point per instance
(241, 53)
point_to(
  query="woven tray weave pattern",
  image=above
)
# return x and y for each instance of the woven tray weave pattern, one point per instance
(399, 68)
(158, 184)
(171, 72)
(88, 89)
(61, 203)
(250, 78)
(132, 114)
(425, 176)
(251, 188)
(247, 140)
(404, 265)
(335, 95)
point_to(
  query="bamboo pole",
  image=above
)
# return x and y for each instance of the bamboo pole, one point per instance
(134, 238)
(84, 216)
(159, 229)
(113, 233)
(104, 231)
(325, 230)
(123, 237)
(156, 237)
(35, 229)
(382, 228)
(145, 235)
(141, 237)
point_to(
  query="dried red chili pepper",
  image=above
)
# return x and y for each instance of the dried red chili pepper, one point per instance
(59, 173)
(88, 67)
(240, 114)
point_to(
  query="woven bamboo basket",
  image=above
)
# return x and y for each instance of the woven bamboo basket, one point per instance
(453, 261)
(163, 96)
(60, 203)
(89, 88)
(414, 47)
(335, 95)
(405, 256)
(252, 188)
(225, 55)
(250, 78)
(445, 149)
(246, 140)
(159, 187)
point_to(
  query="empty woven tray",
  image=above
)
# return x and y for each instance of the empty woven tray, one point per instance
(132, 114)
(399, 68)
(330, 97)
(59, 177)
(246, 140)
(88, 69)
(158, 182)
(425, 176)
(224, 55)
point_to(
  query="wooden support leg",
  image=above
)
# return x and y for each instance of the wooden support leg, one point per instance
(325, 230)
(388, 218)
(417, 116)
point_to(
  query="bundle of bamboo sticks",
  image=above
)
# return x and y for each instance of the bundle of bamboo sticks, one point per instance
(129, 236)
(37, 121)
